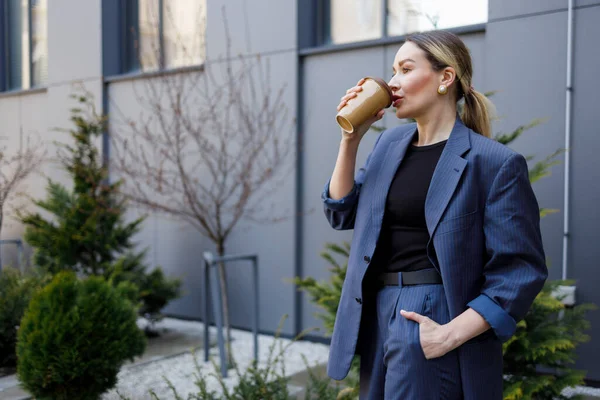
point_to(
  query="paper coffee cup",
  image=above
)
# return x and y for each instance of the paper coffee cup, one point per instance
(374, 97)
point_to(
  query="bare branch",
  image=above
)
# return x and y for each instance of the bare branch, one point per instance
(16, 166)
(208, 147)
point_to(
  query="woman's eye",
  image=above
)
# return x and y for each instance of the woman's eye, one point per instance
(404, 71)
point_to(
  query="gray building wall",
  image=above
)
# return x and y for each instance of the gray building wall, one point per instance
(521, 52)
(326, 79)
(75, 53)
(76, 57)
(177, 247)
(585, 177)
(526, 45)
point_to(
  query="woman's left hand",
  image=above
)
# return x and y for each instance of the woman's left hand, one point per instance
(435, 338)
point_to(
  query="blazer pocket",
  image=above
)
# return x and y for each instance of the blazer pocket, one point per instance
(457, 223)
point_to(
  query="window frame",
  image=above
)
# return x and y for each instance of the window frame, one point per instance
(5, 51)
(322, 11)
(3, 47)
(121, 58)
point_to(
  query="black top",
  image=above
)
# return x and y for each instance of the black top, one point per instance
(403, 239)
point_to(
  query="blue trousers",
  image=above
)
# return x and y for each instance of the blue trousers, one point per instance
(392, 363)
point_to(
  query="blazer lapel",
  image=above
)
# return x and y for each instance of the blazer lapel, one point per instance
(447, 174)
(393, 156)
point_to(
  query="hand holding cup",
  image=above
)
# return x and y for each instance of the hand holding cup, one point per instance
(361, 106)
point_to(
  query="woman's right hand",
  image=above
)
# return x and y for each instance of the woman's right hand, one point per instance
(360, 131)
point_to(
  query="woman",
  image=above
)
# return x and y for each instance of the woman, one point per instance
(447, 253)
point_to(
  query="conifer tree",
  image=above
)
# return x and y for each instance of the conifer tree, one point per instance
(87, 232)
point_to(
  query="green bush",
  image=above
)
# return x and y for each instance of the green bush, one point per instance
(15, 292)
(155, 289)
(323, 388)
(75, 336)
(547, 336)
(326, 295)
(84, 229)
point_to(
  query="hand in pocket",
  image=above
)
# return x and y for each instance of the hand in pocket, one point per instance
(434, 338)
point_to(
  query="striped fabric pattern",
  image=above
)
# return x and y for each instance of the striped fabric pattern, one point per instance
(483, 219)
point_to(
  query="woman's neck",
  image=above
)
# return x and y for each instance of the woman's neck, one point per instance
(435, 126)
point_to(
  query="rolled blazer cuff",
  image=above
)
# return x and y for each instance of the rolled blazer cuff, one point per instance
(502, 323)
(343, 204)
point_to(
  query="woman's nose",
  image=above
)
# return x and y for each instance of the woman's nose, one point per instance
(393, 84)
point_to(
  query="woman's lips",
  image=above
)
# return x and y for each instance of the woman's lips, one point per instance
(396, 100)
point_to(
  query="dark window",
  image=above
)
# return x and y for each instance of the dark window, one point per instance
(163, 34)
(355, 20)
(347, 21)
(407, 16)
(24, 48)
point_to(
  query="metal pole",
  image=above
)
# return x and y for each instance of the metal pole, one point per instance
(217, 311)
(255, 324)
(206, 300)
(569, 90)
(215, 291)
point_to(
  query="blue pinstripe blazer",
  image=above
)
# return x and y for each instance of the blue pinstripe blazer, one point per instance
(483, 221)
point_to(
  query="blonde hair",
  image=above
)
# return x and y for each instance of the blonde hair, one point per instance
(444, 49)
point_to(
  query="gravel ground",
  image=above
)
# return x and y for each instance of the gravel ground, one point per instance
(583, 390)
(136, 381)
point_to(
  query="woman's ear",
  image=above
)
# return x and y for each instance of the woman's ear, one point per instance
(448, 76)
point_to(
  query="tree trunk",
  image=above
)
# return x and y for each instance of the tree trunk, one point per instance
(225, 301)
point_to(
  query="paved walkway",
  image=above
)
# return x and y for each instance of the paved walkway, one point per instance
(172, 342)
(170, 355)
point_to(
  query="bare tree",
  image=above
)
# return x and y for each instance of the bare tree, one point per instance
(208, 148)
(15, 167)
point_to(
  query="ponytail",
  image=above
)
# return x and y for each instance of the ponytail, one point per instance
(477, 112)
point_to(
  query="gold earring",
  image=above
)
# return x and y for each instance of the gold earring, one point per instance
(442, 89)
